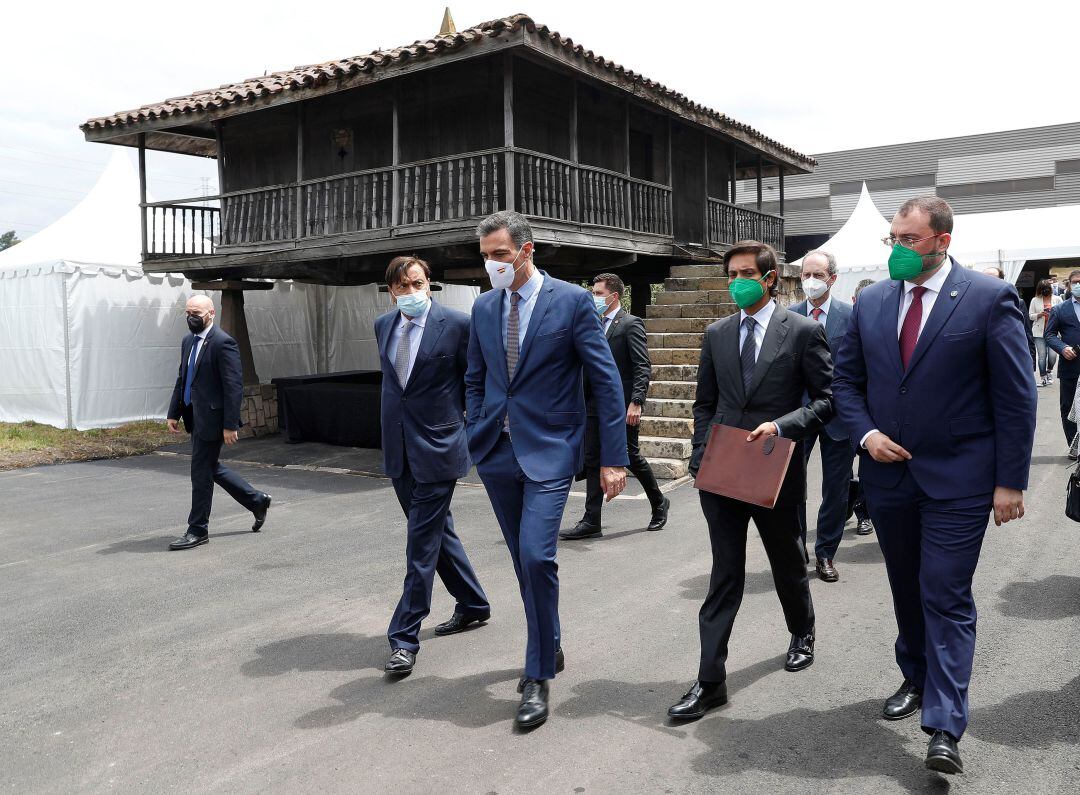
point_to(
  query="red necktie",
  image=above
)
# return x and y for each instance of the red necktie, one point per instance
(909, 332)
(816, 312)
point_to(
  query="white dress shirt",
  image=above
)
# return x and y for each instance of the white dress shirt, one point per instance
(609, 317)
(415, 335)
(761, 324)
(527, 300)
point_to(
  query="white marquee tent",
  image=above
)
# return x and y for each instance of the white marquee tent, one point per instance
(88, 340)
(1007, 239)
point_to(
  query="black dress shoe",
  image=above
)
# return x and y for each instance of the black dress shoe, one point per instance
(943, 754)
(189, 540)
(699, 699)
(401, 662)
(533, 709)
(260, 513)
(826, 570)
(865, 527)
(904, 703)
(800, 653)
(659, 515)
(582, 530)
(560, 664)
(459, 622)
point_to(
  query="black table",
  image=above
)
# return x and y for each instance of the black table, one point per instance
(335, 408)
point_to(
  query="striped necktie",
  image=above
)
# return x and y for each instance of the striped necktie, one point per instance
(401, 358)
(512, 341)
(748, 357)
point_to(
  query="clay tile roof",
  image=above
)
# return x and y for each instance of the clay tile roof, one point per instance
(317, 75)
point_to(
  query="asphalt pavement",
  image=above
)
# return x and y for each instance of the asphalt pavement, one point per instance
(253, 664)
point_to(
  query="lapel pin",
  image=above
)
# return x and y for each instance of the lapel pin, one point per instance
(953, 294)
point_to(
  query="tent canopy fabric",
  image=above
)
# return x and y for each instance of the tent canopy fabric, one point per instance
(1006, 239)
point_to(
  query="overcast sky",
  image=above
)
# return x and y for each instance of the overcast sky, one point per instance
(816, 76)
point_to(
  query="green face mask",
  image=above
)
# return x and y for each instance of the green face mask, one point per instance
(906, 263)
(747, 292)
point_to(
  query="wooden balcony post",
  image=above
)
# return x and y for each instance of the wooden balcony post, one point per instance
(299, 170)
(575, 182)
(142, 192)
(508, 129)
(781, 191)
(628, 216)
(395, 161)
(219, 137)
(759, 167)
(734, 157)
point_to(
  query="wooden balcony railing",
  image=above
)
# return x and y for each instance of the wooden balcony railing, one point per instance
(431, 191)
(729, 223)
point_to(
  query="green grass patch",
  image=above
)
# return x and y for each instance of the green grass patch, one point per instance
(25, 444)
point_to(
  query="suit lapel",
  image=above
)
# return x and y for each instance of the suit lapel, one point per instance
(384, 341)
(543, 302)
(890, 316)
(770, 346)
(726, 360)
(948, 298)
(494, 339)
(831, 320)
(200, 357)
(433, 329)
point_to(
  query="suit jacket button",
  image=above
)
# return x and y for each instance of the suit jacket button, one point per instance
(903, 390)
(509, 394)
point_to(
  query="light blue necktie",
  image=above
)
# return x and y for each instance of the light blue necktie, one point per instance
(190, 371)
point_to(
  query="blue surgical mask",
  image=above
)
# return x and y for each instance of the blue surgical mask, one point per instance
(1075, 290)
(600, 303)
(413, 304)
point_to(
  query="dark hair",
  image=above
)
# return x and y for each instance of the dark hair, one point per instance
(764, 256)
(863, 285)
(1000, 273)
(1044, 288)
(399, 266)
(612, 282)
(1074, 273)
(941, 215)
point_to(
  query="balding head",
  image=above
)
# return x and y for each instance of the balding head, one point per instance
(199, 307)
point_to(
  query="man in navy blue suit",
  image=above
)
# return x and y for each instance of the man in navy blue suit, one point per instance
(207, 397)
(933, 382)
(837, 453)
(530, 338)
(1063, 335)
(422, 350)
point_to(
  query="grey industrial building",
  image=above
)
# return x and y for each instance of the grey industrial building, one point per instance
(1009, 170)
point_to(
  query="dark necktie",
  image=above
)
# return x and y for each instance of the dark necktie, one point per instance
(512, 341)
(909, 331)
(748, 357)
(189, 377)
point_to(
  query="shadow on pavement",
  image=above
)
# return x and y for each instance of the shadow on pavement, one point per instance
(697, 588)
(1049, 599)
(464, 702)
(1033, 720)
(342, 651)
(859, 552)
(846, 742)
(161, 543)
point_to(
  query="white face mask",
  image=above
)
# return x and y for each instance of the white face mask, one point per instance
(814, 288)
(502, 274)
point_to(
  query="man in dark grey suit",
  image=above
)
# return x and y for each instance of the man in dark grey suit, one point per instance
(837, 453)
(755, 368)
(629, 345)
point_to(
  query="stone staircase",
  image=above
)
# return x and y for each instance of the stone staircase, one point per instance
(694, 296)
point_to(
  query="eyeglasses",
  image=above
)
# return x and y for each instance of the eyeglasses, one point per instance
(907, 241)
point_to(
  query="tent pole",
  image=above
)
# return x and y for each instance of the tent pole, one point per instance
(67, 348)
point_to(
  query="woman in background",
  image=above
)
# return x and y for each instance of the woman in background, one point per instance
(1039, 312)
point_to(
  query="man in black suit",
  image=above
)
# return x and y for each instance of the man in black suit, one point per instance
(208, 394)
(756, 366)
(422, 349)
(626, 337)
(1063, 335)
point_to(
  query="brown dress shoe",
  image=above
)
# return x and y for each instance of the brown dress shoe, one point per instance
(826, 570)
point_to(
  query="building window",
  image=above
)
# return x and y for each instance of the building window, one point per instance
(995, 187)
(1067, 167)
(882, 184)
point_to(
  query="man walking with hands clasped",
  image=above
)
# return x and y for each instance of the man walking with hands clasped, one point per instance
(933, 382)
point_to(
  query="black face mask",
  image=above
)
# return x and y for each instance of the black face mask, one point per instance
(195, 323)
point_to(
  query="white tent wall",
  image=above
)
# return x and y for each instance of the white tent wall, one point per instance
(33, 368)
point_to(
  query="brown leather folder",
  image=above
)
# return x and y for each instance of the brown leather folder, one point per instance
(751, 472)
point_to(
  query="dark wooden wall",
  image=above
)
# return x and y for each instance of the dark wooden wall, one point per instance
(542, 102)
(260, 149)
(688, 184)
(362, 117)
(719, 155)
(648, 146)
(601, 128)
(451, 110)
